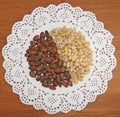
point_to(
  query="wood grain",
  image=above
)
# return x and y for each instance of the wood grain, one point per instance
(107, 11)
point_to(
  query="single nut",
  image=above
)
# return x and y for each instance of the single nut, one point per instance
(38, 78)
(49, 81)
(32, 74)
(58, 79)
(52, 87)
(62, 69)
(31, 67)
(60, 63)
(69, 83)
(46, 34)
(32, 43)
(55, 83)
(36, 38)
(42, 35)
(52, 49)
(65, 84)
(38, 68)
(45, 84)
(32, 52)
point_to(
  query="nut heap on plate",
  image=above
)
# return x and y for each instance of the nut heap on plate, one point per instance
(45, 64)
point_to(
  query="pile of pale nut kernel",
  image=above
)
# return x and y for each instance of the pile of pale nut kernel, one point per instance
(74, 50)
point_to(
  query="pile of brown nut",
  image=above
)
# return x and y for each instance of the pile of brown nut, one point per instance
(45, 64)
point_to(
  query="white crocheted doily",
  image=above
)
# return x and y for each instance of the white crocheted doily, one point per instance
(62, 99)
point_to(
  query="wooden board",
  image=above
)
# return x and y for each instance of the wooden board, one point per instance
(107, 11)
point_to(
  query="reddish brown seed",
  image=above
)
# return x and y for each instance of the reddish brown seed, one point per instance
(42, 79)
(42, 59)
(31, 47)
(55, 48)
(52, 58)
(57, 55)
(38, 73)
(45, 65)
(38, 68)
(53, 66)
(50, 77)
(60, 63)
(43, 48)
(32, 68)
(46, 59)
(60, 85)
(39, 45)
(46, 75)
(32, 52)
(45, 84)
(58, 79)
(68, 77)
(65, 84)
(48, 69)
(62, 78)
(57, 70)
(42, 66)
(54, 74)
(29, 59)
(34, 58)
(32, 74)
(36, 48)
(50, 39)
(36, 38)
(61, 75)
(31, 63)
(49, 81)
(62, 69)
(35, 63)
(52, 87)
(55, 60)
(69, 83)
(43, 71)
(27, 51)
(40, 54)
(32, 43)
(53, 44)
(46, 53)
(55, 83)
(27, 55)
(46, 33)
(42, 40)
(46, 43)
(52, 49)
(66, 73)
(42, 35)
(38, 78)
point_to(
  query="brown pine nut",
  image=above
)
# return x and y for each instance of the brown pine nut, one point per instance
(69, 83)
(45, 63)
(52, 87)
(36, 38)
(32, 74)
(42, 35)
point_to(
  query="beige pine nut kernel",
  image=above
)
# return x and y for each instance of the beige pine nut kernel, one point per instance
(74, 50)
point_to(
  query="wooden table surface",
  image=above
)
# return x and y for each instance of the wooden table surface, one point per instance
(107, 11)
